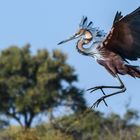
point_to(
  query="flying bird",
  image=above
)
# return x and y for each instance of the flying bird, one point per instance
(112, 50)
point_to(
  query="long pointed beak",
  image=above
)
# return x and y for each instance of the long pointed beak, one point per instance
(64, 41)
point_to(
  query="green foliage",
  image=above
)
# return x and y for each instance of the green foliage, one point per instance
(93, 125)
(130, 116)
(40, 133)
(33, 84)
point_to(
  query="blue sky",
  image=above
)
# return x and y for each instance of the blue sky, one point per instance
(43, 23)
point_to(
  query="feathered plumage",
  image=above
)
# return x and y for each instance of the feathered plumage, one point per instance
(125, 36)
(112, 50)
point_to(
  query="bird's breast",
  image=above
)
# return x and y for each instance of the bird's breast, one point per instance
(98, 56)
(97, 53)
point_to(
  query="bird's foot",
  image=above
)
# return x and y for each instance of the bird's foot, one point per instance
(96, 104)
(95, 88)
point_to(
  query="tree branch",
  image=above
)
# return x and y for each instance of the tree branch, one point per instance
(15, 117)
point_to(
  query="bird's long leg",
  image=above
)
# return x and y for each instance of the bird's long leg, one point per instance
(122, 87)
(105, 87)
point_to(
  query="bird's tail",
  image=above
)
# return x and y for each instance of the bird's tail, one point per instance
(134, 71)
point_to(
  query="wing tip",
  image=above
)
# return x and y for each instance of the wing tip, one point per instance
(118, 16)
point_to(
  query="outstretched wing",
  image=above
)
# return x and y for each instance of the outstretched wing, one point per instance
(124, 38)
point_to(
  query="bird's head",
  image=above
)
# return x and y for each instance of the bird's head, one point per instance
(86, 32)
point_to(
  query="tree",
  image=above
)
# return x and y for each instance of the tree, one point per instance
(31, 84)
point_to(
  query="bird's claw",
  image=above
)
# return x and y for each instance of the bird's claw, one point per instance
(96, 104)
(99, 100)
(94, 89)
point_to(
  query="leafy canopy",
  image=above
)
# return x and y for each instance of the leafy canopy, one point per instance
(31, 84)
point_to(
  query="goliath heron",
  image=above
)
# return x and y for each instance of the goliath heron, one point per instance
(112, 50)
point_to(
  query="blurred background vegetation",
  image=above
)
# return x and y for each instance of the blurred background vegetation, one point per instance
(34, 85)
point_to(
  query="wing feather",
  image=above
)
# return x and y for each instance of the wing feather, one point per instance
(124, 37)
